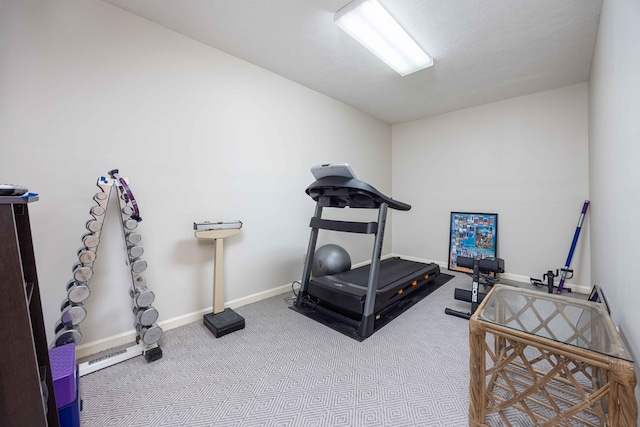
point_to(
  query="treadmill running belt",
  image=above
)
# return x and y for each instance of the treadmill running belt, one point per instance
(345, 292)
(391, 270)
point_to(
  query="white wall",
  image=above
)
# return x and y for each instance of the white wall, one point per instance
(525, 159)
(614, 143)
(86, 87)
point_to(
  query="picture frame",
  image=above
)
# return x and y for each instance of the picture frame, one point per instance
(472, 235)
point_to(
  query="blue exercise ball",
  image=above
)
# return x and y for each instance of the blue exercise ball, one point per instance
(330, 259)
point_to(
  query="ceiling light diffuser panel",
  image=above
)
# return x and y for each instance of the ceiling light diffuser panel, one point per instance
(371, 25)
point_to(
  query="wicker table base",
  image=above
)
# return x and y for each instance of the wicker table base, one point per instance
(521, 378)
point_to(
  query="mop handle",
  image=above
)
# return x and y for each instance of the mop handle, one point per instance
(573, 246)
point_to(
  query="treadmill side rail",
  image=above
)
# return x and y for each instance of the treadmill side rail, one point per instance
(366, 324)
(306, 272)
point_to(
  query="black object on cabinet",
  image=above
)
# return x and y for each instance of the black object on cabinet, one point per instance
(26, 386)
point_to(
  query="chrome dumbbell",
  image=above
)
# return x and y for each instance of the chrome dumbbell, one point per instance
(72, 314)
(127, 210)
(133, 238)
(138, 265)
(86, 255)
(66, 334)
(97, 211)
(149, 334)
(142, 296)
(145, 316)
(135, 251)
(100, 197)
(90, 241)
(130, 224)
(81, 272)
(77, 292)
(93, 225)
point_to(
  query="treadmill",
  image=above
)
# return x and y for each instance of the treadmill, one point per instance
(358, 302)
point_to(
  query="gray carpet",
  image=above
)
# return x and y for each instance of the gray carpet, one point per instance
(284, 369)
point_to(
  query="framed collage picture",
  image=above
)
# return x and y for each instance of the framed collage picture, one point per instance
(472, 235)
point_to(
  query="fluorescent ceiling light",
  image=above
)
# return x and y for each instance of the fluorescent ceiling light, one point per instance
(369, 23)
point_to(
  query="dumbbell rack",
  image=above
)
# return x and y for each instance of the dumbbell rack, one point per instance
(72, 310)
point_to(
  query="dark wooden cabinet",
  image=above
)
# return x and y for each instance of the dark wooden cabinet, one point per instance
(24, 357)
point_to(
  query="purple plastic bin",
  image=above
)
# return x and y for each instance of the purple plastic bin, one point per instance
(63, 371)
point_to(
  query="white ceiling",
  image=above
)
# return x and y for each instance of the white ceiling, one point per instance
(483, 50)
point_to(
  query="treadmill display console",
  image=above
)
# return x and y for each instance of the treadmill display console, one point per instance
(333, 169)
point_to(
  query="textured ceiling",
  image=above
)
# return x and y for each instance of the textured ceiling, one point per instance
(483, 50)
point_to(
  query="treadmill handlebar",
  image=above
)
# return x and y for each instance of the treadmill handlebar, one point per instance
(339, 192)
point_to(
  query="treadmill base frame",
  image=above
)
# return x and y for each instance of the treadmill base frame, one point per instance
(311, 310)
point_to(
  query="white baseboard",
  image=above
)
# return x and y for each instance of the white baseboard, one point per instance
(581, 289)
(113, 341)
(118, 340)
(97, 346)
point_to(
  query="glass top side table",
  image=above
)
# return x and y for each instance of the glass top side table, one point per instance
(548, 359)
(580, 323)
